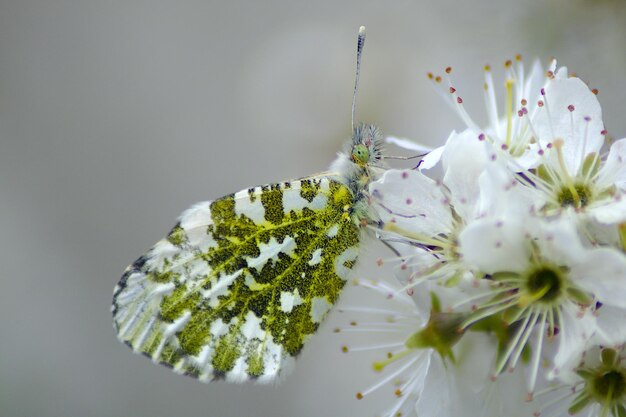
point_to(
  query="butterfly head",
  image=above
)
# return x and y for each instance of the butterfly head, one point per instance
(366, 149)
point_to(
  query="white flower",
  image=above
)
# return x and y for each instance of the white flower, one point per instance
(571, 172)
(511, 131)
(596, 387)
(430, 215)
(420, 369)
(544, 280)
(399, 372)
(553, 142)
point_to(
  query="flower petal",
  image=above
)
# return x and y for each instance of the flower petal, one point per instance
(409, 144)
(412, 202)
(613, 171)
(559, 241)
(602, 272)
(500, 193)
(611, 213)
(464, 159)
(495, 245)
(571, 113)
(576, 327)
(610, 328)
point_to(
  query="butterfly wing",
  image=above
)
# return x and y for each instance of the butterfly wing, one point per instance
(240, 283)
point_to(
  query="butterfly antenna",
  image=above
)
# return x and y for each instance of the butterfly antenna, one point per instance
(359, 50)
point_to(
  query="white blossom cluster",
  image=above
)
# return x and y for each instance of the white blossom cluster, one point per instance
(510, 243)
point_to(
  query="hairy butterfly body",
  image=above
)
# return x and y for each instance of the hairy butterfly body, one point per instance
(240, 283)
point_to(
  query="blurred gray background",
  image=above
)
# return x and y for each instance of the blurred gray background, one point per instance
(117, 115)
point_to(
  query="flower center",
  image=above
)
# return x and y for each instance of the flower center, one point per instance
(544, 283)
(578, 195)
(610, 385)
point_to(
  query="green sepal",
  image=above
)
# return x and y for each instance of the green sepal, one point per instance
(453, 281)
(505, 337)
(497, 276)
(579, 403)
(543, 173)
(609, 357)
(591, 165)
(585, 373)
(579, 296)
(435, 303)
(491, 324)
(512, 314)
(441, 333)
(622, 235)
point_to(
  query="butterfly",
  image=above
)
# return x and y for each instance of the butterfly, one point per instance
(240, 283)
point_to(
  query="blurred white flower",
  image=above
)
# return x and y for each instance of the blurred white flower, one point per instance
(547, 281)
(400, 371)
(596, 387)
(424, 365)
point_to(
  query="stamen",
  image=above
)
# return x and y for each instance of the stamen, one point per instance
(547, 108)
(590, 173)
(509, 110)
(419, 238)
(534, 364)
(384, 329)
(481, 314)
(501, 300)
(389, 378)
(458, 103)
(491, 103)
(567, 179)
(380, 365)
(376, 347)
(535, 313)
(391, 313)
(512, 345)
(555, 400)
(527, 298)
(489, 293)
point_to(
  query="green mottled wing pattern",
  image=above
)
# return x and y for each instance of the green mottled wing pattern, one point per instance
(240, 283)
